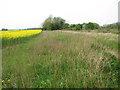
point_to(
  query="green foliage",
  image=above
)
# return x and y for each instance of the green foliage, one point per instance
(66, 26)
(58, 23)
(78, 27)
(90, 26)
(3, 29)
(96, 26)
(72, 26)
(85, 26)
(48, 23)
(55, 23)
(110, 26)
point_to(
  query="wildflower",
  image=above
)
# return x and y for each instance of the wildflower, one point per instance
(2, 80)
(61, 83)
(8, 80)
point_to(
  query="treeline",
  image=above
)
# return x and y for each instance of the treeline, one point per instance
(31, 29)
(4, 29)
(111, 26)
(58, 23)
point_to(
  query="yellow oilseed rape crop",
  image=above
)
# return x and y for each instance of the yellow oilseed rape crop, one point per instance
(15, 37)
(19, 34)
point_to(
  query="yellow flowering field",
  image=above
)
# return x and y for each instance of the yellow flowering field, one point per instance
(17, 36)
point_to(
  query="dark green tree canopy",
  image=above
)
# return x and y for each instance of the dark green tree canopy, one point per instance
(3, 29)
(90, 25)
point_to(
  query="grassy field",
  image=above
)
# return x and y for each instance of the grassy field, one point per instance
(55, 59)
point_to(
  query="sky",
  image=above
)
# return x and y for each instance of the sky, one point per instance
(19, 14)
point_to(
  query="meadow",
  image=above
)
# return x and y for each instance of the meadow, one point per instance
(61, 59)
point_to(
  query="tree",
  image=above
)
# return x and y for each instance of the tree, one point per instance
(3, 29)
(90, 25)
(54, 23)
(111, 26)
(78, 27)
(48, 23)
(66, 26)
(58, 23)
(96, 26)
(72, 26)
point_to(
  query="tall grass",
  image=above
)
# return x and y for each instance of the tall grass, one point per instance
(11, 42)
(60, 60)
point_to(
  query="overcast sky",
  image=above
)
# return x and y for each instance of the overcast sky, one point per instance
(18, 14)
